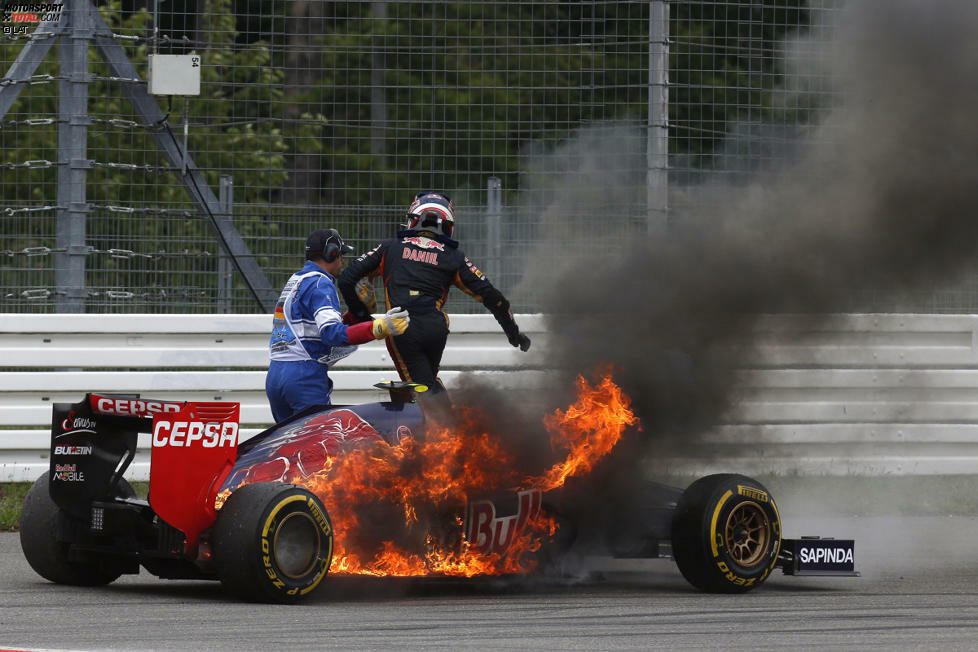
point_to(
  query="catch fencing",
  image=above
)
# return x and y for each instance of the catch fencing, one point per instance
(864, 395)
(541, 118)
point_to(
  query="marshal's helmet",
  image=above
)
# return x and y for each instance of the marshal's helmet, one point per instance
(432, 211)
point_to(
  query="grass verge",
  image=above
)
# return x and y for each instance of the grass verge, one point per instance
(12, 499)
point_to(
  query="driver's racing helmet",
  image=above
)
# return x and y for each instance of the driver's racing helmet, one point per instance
(432, 211)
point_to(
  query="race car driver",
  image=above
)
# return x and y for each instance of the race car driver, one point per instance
(417, 268)
(308, 333)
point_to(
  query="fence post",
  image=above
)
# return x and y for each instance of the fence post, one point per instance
(657, 146)
(225, 274)
(69, 266)
(494, 217)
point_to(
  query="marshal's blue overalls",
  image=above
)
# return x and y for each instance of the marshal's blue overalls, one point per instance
(308, 337)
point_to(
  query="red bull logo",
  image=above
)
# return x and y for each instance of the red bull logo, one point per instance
(424, 243)
(490, 533)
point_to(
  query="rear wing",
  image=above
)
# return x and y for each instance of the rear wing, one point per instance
(93, 442)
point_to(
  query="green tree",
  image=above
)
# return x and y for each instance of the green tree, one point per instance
(136, 198)
(725, 66)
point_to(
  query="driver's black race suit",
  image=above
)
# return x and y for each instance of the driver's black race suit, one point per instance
(417, 269)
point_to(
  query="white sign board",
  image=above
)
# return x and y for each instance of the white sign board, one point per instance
(174, 74)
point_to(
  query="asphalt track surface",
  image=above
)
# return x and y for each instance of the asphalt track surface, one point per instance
(919, 590)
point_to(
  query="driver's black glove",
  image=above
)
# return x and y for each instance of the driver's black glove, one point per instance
(520, 340)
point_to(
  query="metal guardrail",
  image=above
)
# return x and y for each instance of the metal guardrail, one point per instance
(860, 394)
(853, 395)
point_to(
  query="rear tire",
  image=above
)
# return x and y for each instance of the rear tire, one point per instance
(726, 533)
(42, 523)
(273, 542)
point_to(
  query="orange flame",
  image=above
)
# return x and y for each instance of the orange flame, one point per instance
(405, 490)
(588, 430)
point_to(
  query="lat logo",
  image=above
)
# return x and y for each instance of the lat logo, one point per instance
(186, 433)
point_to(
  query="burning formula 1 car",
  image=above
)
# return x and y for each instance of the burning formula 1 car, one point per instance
(369, 489)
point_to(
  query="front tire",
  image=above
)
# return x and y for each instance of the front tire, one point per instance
(43, 526)
(726, 533)
(273, 542)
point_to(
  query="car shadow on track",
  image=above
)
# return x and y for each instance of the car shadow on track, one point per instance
(345, 588)
(372, 588)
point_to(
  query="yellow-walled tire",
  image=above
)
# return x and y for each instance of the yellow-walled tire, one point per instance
(273, 542)
(726, 533)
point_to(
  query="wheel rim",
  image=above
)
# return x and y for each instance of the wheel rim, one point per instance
(296, 545)
(748, 534)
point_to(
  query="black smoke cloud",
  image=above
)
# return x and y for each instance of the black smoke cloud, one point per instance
(883, 197)
(880, 199)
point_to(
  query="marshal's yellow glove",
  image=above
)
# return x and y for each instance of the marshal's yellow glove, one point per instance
(394, 322)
